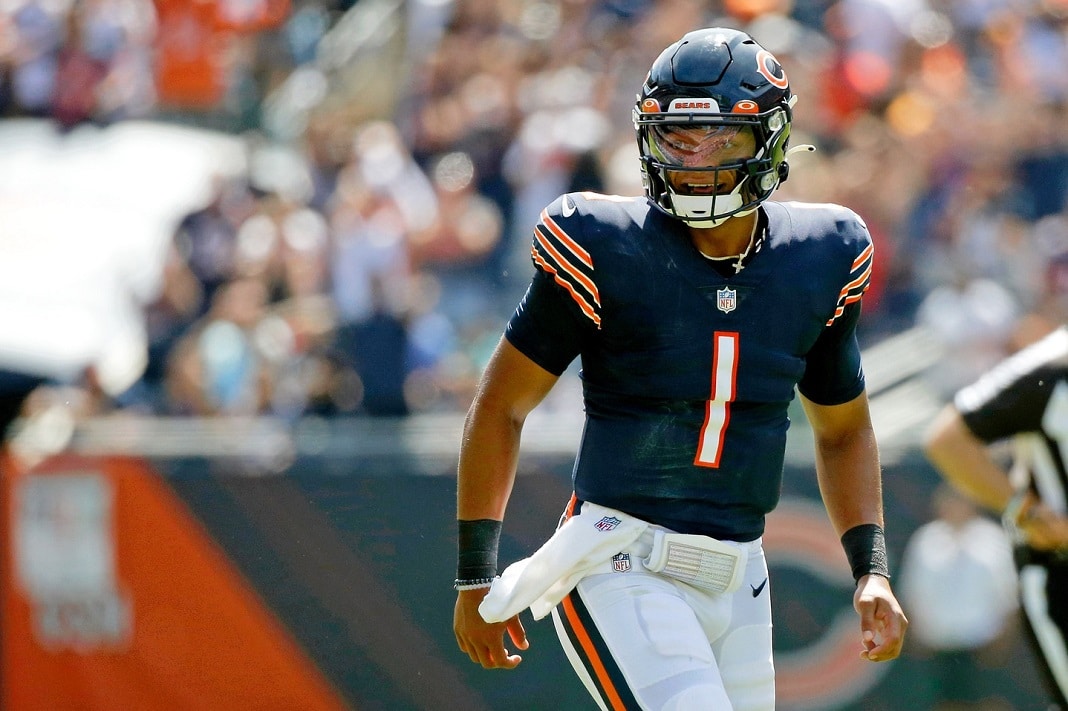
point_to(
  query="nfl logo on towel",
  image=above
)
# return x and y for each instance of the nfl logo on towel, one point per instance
(621, 562)
(607, 523)
(726, 299)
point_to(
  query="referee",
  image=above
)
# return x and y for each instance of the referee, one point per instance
(1024, 397)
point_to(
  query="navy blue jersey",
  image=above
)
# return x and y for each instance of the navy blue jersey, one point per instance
(687, 373)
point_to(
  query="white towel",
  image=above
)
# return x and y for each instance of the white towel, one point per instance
(539, 582)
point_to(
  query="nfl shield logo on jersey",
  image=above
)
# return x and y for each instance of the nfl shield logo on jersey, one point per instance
(607, 523)
(726, 299)
(621, 562)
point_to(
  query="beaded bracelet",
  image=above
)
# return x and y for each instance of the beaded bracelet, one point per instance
(473, 584)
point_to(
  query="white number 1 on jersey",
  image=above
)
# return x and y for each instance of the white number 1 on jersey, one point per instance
(718, 408)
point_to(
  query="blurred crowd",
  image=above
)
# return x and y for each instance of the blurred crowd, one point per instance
(377, 278)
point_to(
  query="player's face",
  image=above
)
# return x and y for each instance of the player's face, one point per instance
(703, 148)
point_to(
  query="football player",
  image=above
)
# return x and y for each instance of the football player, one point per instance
(1024, 399)
(695, 310)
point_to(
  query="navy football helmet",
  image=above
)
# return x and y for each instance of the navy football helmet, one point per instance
(701, 91)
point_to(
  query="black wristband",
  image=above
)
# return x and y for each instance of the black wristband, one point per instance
(865, 547)
(476, 558)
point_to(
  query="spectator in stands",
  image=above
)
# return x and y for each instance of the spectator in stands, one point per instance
(216, 368)
(207, 237)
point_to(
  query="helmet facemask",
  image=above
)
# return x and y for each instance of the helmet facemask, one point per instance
(694, 171)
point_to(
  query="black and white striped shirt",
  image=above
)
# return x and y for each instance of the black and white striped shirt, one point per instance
(1026, 397)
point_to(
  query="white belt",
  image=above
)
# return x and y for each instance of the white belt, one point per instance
(698, 560)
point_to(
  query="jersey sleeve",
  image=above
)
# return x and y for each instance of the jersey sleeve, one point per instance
(557, 251)
(856, 236)
(833, 372)
(545, 327)
(561, 307)
(1012, 396)
(833, 369)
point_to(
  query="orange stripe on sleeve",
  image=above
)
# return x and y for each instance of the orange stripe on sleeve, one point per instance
(562, 262)
(864, 276)
(564, 237)
(862, 256)
(582, 303)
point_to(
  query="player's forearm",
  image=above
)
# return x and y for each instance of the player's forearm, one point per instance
(488, 458)
(851, 485)
(850, 480)
(965, 462)
(847, 462)
(511, 387)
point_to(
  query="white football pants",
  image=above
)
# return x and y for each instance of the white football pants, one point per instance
(640, 640)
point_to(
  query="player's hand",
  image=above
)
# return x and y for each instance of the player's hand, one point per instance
(882, 621)
(484, 641)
